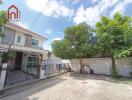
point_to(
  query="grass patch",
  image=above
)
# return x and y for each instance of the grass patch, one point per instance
(126, 80)
(129, 81)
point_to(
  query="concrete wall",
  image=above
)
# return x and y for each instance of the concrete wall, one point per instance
(124, 66)
(103, 65)
(45, 55)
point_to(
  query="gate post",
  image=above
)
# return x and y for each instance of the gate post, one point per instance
(3, 75)
(42, 70)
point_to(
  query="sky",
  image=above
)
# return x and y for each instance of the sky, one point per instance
(49, 18)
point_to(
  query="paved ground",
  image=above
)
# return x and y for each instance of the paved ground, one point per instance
(75, 87)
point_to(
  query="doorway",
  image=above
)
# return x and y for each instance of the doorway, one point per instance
(18, 61)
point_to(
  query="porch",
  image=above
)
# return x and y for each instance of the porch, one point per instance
(17, 77)
(23, 67)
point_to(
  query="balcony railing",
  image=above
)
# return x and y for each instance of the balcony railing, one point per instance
(34, 47)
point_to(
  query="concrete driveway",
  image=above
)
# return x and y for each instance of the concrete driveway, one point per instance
(75, 87)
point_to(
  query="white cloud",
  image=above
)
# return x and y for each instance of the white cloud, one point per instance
(92, 14)
(49, 31)
(56, 39)
(23, 24)
(50, 8)
(120, 7)
(80, 17)
(89, 15)
(105, 4)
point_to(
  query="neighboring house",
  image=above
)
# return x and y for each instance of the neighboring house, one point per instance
(28, 53)
(52, 56)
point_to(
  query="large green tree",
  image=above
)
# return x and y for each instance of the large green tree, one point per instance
(114, 36)
(3, 21)
(76, 43)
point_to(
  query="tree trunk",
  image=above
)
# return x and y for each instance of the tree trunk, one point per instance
(81, 66)
(113, 62)
(114, 71)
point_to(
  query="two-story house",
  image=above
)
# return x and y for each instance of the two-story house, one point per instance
(26, 52)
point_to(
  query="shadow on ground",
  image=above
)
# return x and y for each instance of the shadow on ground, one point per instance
(32, 87)
(79, 76)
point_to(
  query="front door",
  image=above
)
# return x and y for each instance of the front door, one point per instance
(32, 65)
(18, 61)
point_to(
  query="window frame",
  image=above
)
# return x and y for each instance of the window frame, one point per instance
(35, 42)
(19, 38)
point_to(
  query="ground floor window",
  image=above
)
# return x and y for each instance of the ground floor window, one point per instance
(32, 61)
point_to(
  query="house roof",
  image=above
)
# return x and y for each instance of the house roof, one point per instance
(27, 31)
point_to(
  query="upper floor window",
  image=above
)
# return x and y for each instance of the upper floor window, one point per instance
(18, 39)
(34, 42)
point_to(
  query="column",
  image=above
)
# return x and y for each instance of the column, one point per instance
(3, 75)
(42, 70)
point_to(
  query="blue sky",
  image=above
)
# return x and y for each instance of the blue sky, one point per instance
(49, 18)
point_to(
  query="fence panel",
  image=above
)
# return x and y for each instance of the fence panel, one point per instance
(53, 69)
(26, 73)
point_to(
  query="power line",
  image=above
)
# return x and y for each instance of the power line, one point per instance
(38, 16)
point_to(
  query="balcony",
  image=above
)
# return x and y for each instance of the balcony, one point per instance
(22, 48)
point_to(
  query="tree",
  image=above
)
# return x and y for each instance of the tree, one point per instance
(115, 37)
(76, 43)
(3, 21)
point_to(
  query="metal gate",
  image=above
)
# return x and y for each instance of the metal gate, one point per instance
(52, 69)
(26, 73)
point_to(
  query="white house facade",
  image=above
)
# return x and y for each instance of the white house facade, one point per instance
(26, 53)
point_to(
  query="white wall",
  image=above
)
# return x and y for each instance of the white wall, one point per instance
(55, 61)
(22, 43)
(103, 65)
(45, 55)
(124, 66)
(41, 42)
